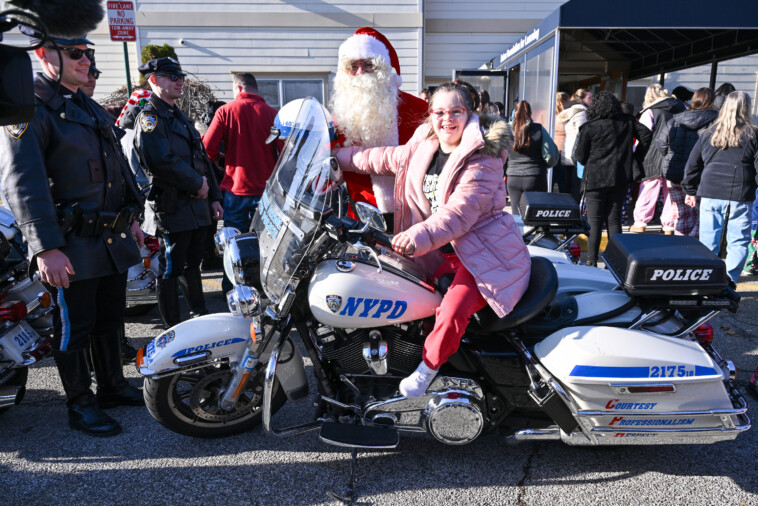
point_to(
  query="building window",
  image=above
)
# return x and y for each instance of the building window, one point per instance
(278, 92)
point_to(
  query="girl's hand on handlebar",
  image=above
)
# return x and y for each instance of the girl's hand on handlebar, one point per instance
(402, 244)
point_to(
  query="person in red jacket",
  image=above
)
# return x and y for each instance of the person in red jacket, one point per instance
(243, 126)
(370, 110)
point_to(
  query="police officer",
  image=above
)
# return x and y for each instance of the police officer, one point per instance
(183, 184)
(65, 179)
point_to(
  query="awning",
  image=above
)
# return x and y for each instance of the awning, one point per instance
(645, 37)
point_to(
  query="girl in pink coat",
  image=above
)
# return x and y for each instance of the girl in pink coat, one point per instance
(449, 200)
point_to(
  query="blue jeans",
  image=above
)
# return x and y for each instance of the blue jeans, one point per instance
(239, 211)
(712, 214)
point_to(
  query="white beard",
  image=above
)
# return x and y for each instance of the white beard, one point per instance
(365, 111)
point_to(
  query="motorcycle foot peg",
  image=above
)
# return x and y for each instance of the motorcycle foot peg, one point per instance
(359, 436)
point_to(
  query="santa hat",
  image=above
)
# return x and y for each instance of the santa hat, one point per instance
(369, 43)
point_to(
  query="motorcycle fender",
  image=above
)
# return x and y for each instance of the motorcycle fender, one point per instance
(220, 335)
(211, 336)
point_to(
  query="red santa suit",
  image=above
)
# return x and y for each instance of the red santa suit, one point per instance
(411, 111)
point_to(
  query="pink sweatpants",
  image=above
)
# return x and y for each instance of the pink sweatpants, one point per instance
(644, 209)
(460, 302)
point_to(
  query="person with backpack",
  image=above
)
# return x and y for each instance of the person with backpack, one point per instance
(675, 141)
(532, 153)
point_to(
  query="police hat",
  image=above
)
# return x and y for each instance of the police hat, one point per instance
(94, 70)
(36, 37)
(165, 65)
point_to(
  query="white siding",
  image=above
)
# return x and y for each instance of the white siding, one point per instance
(465, 35)
(212, 54)
(275, 6)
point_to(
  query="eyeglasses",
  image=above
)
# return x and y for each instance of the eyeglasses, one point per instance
(453, 113)
(75, 53)
(95, 74)
(174, 77)
(366, 65)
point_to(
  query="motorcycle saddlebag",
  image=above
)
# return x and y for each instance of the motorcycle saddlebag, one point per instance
(663, 265)
(540, 208)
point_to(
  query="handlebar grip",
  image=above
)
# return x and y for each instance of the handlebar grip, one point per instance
(380, 237)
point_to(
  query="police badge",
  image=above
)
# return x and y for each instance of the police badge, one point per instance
(334, 302)
(148, 122)
(164, 339)
(16, 131)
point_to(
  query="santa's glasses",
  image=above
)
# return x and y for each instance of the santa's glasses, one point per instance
(357, 65)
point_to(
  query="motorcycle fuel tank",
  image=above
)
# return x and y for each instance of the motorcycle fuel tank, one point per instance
(354, 295)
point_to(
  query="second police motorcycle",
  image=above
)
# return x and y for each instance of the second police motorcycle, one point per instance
(621, 366)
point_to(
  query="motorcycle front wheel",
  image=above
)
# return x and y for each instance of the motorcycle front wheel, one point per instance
(188, 403)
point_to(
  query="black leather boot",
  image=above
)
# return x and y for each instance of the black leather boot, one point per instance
(84, 413)
(168, 301)
(112, 388)
(192, 288)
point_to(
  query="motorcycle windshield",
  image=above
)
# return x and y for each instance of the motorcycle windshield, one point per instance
(296, 196)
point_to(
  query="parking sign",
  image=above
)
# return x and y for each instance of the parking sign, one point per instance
(122, 21)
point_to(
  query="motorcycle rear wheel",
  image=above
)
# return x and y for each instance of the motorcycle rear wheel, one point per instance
(187, 403)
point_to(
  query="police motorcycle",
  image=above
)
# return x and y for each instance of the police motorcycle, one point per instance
(549, 223)
(26, 319)
(598, 368)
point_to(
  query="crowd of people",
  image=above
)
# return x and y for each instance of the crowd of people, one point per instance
(434, 166)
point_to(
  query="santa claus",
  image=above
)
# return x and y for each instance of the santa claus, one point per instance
(370, 110)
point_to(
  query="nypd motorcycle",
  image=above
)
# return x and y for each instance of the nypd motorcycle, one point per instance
(26, 319)
(622, 366)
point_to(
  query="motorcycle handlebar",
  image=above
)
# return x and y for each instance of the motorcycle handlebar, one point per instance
(343, 229)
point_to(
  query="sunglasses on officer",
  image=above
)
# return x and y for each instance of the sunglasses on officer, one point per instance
(75, 53)
(95, 74)
(174, 77)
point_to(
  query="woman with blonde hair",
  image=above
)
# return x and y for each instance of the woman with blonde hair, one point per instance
(657, 109)
(573, 116)
(723, 171)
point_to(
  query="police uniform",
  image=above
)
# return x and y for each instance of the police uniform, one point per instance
(65, 179)
(172, 153)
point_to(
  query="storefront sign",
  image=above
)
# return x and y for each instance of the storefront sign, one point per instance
(518, 46)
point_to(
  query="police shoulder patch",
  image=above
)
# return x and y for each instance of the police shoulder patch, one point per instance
(16, 131)
(148, 122)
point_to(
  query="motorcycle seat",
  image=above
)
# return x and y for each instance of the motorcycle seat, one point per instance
(543, 284)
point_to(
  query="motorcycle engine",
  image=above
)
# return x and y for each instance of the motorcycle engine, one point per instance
(349, 349)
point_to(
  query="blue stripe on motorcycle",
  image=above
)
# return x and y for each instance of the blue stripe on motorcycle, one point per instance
(590, 371)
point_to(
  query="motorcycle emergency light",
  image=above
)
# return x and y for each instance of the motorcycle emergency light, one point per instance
(39, 352)
(704, 333)
(650, 389)
(575, 251)
(146, 262)
(12, 311)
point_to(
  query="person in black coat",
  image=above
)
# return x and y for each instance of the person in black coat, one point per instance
(604, 147)
(723, 171)
(675, 141)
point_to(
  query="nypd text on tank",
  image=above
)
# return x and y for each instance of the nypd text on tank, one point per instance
(394, 308)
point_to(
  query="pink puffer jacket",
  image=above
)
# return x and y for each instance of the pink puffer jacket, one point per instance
(486, 238)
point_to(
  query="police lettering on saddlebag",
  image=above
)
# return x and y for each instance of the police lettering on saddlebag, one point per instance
(540, 208)
(648, 264)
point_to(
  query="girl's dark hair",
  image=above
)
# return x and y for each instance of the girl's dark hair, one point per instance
(703, 98)
(463, 93)
(604, 105)
(725, 89)
(521, 122)
(472, 91)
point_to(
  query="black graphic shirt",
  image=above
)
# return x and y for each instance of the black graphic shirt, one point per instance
(431, 188)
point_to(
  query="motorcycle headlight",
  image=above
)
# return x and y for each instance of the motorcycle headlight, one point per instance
(244, 301)
(224, 236)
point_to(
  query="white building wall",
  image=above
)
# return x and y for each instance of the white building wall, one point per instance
(465, 35)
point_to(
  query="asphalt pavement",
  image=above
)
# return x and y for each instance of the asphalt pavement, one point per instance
(43, 462)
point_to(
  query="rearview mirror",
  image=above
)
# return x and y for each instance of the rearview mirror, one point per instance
(371, 216)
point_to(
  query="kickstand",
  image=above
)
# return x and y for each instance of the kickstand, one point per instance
(349, 497)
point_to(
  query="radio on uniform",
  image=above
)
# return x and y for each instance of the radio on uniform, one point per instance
(664, 265)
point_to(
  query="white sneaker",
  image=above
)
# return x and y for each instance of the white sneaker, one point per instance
(416, 384)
